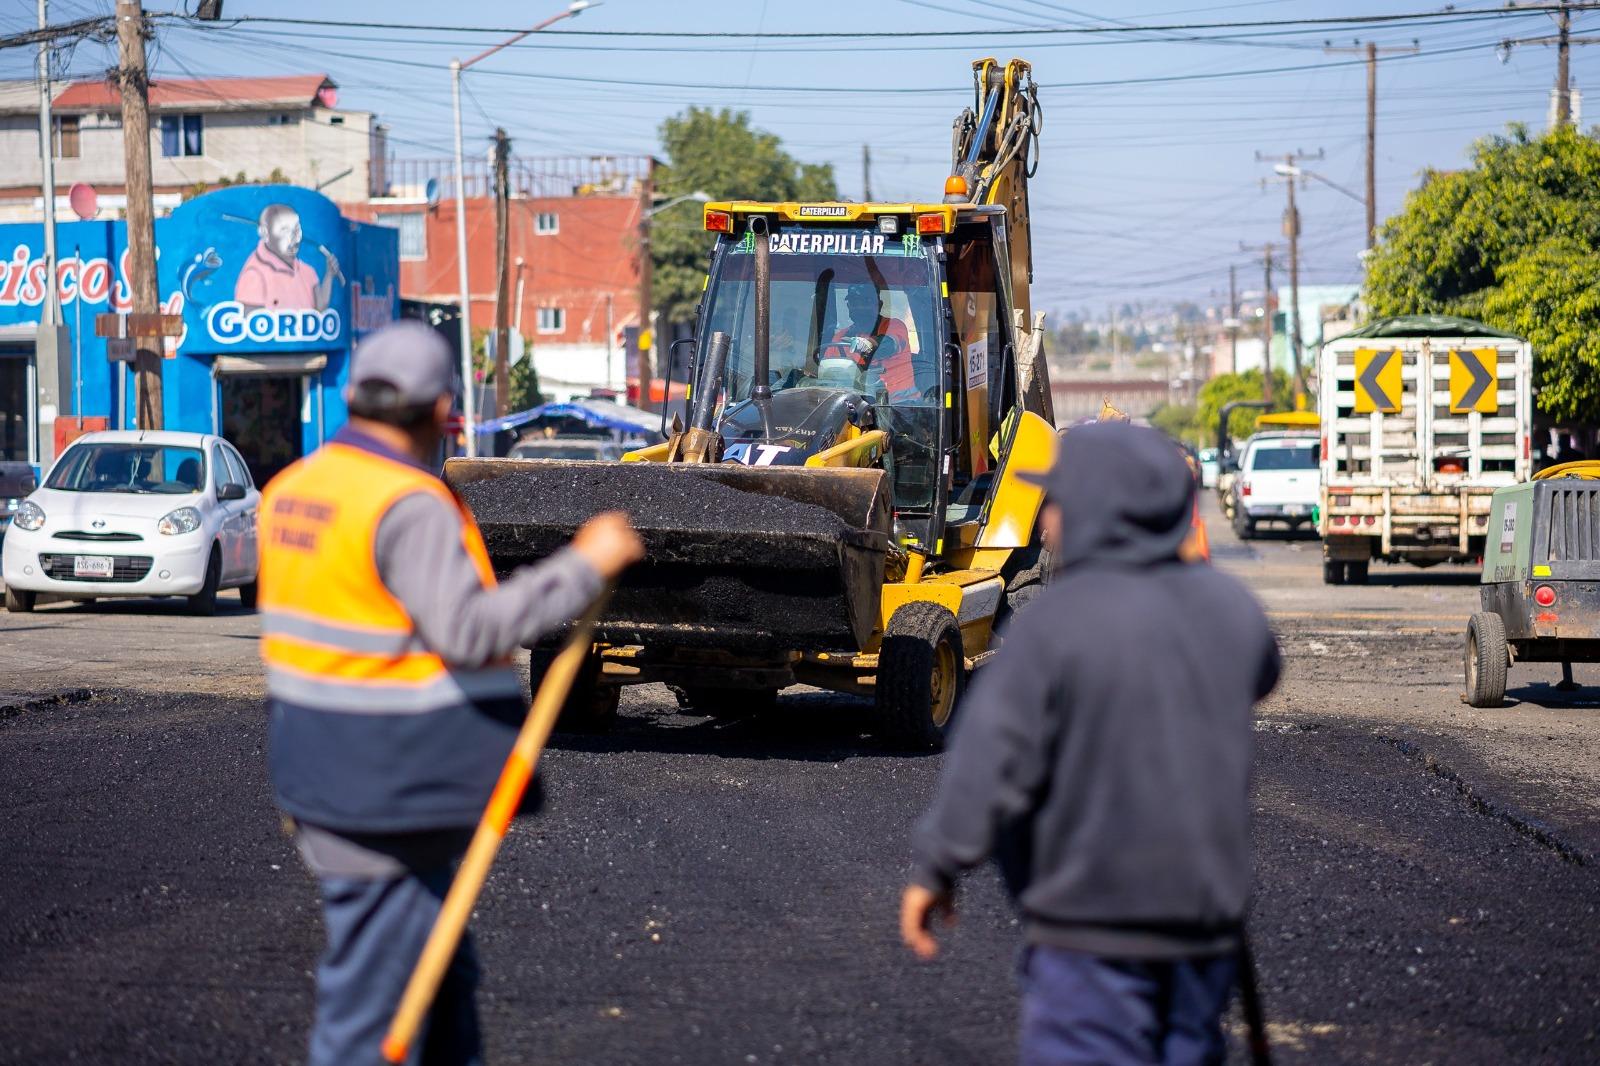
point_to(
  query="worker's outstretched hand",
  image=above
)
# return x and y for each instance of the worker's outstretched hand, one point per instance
(918, 908)
(609, 544)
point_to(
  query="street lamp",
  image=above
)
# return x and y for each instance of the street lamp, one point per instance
(697, 196)
(469, 401)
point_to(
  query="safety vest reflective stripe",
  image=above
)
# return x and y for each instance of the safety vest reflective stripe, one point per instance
(453, 688)
(358, 639)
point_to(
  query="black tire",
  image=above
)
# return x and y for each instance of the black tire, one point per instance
(204, 602)
(921, 674)
(1243, 527)
(1332, 572)
(1486, 660)
(1356, 573)
(728, 702)
(20, 601)
(590, 707)
(1026, 574)
(248, 595)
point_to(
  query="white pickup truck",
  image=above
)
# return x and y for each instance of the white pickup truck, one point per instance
(1276, 481)
(1423, 417)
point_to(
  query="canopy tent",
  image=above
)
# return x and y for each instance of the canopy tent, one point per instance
(1425, 326)
(598, 414)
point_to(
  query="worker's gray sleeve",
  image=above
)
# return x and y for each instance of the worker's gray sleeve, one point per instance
(424, 564)
(998, 761)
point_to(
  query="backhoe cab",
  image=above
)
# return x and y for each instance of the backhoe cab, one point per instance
(839, 502)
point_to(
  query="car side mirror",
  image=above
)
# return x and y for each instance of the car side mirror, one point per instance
(231, 491)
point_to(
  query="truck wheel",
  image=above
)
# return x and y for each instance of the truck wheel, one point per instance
(728, 702)
(920, 676)
(590, 706)
(1243, 528)
(1486, 660)
(20, 601)
(1356, 573)
(1332, 572)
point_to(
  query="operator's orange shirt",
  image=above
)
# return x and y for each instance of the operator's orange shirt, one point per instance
(898, 371)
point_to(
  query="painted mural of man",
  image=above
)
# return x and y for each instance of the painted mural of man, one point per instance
(275, 276)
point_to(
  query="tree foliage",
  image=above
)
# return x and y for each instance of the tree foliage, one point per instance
(719, 153)
(1224, 389)
(1513, 241)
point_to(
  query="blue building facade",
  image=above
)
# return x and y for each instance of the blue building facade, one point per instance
(275, 288)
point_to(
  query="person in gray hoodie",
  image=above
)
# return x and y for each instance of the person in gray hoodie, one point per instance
(1103, 759)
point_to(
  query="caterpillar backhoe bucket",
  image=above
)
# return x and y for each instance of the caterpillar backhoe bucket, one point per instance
(740, 558)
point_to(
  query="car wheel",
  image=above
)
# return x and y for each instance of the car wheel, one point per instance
(921, 673)
(590, 707)
(1486, 660)
(20, 601)
(204, 602)
(1356, 572)
(247, 595)
(1243, 528)
(1333, 572)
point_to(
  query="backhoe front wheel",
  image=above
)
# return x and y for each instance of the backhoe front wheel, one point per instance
(920, 676)
(590, 707)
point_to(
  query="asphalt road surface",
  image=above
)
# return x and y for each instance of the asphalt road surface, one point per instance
(724, 892)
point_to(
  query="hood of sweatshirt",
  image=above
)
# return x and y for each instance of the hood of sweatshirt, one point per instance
(1126, 496)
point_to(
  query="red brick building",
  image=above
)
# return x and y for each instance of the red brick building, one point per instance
(574, 247)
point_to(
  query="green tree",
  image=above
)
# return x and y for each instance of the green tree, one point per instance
(1513, 241)
(719, 153)
(1180, 421)
(1225, 388)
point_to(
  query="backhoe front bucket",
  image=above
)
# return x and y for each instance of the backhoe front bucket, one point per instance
(742, 558)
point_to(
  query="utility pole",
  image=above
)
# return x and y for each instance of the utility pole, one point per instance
(1291, 229)
(502, 261)
(1266, 316)
(47, 186)
(1233, 317)
(1563, 83)
(1372, 52)
(133, 78)
(866, 172)
(646, 271)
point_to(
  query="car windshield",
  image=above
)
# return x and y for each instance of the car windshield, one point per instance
(129, 467)
(851, 308)
(1288, 457)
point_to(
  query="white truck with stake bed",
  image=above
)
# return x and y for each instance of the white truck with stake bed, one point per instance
(1423, 417)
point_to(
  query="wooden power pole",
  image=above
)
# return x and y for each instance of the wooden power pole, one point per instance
(133, 79)
(647, 196)
(1289, 170)
(502, 267)
(1372, 52)
(1563, 82)
(866, 173)
(1266, 316)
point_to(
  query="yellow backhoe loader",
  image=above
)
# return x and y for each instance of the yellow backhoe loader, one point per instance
(839, 503)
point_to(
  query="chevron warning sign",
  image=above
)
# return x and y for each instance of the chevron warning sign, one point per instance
(1377, 381)
(1472, 381)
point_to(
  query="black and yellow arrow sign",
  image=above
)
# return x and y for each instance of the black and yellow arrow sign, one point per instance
(1472, 381)
(1377, 381)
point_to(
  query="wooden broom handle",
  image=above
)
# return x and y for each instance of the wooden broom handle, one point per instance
(503, 804)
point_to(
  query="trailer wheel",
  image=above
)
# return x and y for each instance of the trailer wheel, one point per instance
(590, 707)
(1486, 660)
(1356, 573)
(920, 676)
(1332, 572)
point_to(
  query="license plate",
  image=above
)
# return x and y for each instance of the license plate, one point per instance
(1295, 509)
(92, 565)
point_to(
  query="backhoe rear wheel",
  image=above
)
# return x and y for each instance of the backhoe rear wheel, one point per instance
(920, 676)
(590, 707)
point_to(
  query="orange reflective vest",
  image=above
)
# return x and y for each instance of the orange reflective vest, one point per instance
(371, 731)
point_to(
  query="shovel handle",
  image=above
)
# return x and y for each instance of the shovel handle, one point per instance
(443, 939)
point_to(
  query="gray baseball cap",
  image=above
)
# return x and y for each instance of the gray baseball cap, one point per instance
(412, 357)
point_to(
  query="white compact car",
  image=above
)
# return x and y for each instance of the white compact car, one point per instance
(132, 513)
(1279, 479)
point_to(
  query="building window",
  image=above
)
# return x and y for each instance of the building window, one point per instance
(546, 222)
(413, 227)
(280, 120)
(66, 146)
(181, 135)
(552, 320)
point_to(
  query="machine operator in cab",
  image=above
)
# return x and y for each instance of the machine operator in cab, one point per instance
(879, 344)
(387, 644)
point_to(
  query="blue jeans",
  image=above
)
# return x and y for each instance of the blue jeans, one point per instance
(1084, 1010)
(376, 928)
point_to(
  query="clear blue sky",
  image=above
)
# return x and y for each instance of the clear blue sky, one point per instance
(1146, 187)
